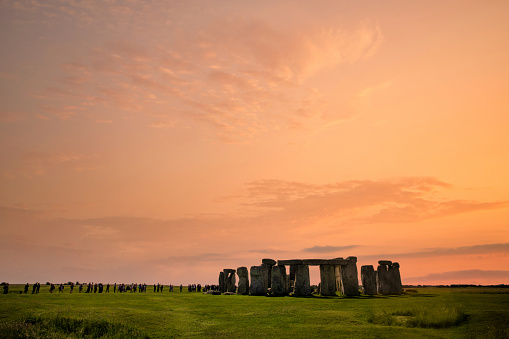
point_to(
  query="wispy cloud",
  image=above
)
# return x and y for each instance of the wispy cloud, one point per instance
(238, 76)
(397, 200)
(475, 276)
(439, 252)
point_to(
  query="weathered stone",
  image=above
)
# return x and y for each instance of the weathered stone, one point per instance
(382, 283)
(394, 279)
(270, 262)
(257, 286)
(337, 273)
(349, 278)
(266, 271)
(292, 272)
(327, 280)
(352, 259)
(313, 262)
(229, 278)
(279, 286)
(384, 262)
(368, 279)
(243, 287)
(290, 262)
(302, 284)
(221, 282)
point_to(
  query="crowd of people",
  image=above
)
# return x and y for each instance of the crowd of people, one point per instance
(102, 288)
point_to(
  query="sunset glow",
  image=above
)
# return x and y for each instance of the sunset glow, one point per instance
(163, 141)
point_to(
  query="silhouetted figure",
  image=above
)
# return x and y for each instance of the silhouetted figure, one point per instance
(80, 288)
(6, 288)
(72, 287)
(61, 288)
(108, 288)
(38, 288)
(26, 288)
(34, 288)
(115, 288)
(51, 288)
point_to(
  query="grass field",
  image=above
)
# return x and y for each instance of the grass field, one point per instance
(428, 313)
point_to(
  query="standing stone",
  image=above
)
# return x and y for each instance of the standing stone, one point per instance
(327, 280)
(267, 271)
(257, 286)
(349, 278)
(368, 279)
(394, 279)
(243, 287)
(229, 278)
(302, 283)
(292, 272)
(337, 273)
(382, 279)
(221, 282)
(279, 286)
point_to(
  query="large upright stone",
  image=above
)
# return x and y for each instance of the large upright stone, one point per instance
(243, 287)
(394, 279)
(222, 287)
(349, 278)
(337, 273)
(279, 286)
(292, 272)
(267, 271)
(327, 280)
(229, 277)
(368, 279)
(302, 284)
(257, 286)
(382, 280)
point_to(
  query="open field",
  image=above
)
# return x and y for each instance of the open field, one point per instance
(429, 313)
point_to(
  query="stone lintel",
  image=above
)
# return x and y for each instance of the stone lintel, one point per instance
(229, 270)
(313, 262)
(270, 262)
(384, 262)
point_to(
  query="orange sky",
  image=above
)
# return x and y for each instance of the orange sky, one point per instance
(162, 141)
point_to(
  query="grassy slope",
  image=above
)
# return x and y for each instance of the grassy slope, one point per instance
(194, 314)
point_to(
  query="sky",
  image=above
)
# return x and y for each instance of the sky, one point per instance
(164, 141)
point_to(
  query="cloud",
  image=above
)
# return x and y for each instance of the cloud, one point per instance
(399, 200)
(475, 276)
(237, 76)
(439, 252)
(328, 249)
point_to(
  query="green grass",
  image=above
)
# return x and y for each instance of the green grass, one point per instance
(430, 313)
